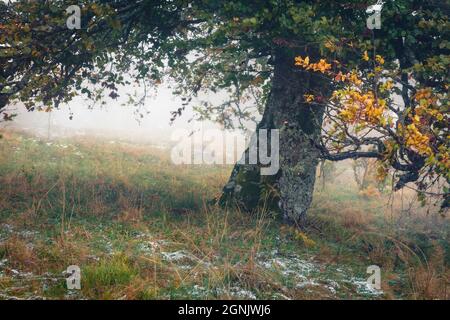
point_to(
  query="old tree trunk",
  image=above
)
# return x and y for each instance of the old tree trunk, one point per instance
(299, 124)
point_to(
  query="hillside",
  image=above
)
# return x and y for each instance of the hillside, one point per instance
(142, 228)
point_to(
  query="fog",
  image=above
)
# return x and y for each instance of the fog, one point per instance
(115, 120)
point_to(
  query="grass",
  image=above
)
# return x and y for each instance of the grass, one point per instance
(141, 228)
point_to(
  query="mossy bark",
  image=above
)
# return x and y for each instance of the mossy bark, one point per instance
(300, 125)
(246, 185)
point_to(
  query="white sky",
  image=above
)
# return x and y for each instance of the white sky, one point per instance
(112, 121)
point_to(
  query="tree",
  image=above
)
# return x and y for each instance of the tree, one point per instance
(311, 68)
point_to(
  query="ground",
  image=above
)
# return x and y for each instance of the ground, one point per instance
(142, 228)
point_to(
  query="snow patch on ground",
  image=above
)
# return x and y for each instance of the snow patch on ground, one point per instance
(150, 247)
(288, 265)
(235, 292)
(307, 274)
(362, 287)
(176, 255)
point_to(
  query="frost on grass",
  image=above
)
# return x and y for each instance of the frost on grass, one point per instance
(241, 293)
(184, 259)
(295, 273)
(234, 292)
(21, 287)
(2, 265)
(287, 265)
(28, 234)
(362, 287)
(177, 256)
(106, 246)
(305, 274)
(150, 247)
(7, 230)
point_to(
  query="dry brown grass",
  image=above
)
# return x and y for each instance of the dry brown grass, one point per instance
(20, 253)
(431, 280)
(131, 216)
(429, 284)
(356, 219)
(130, 189)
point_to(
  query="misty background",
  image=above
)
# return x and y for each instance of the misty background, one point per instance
(115, 119)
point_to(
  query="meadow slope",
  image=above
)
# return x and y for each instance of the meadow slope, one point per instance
(142, 228)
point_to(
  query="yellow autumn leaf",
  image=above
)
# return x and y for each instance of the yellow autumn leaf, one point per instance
(309, 97)
(365, 56)
(321, 66)
(379, 59)
(299, 61)
(330, 46)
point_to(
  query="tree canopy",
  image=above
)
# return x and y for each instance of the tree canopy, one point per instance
(389, 97)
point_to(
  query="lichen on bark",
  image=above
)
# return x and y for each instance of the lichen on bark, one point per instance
(299, 123)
